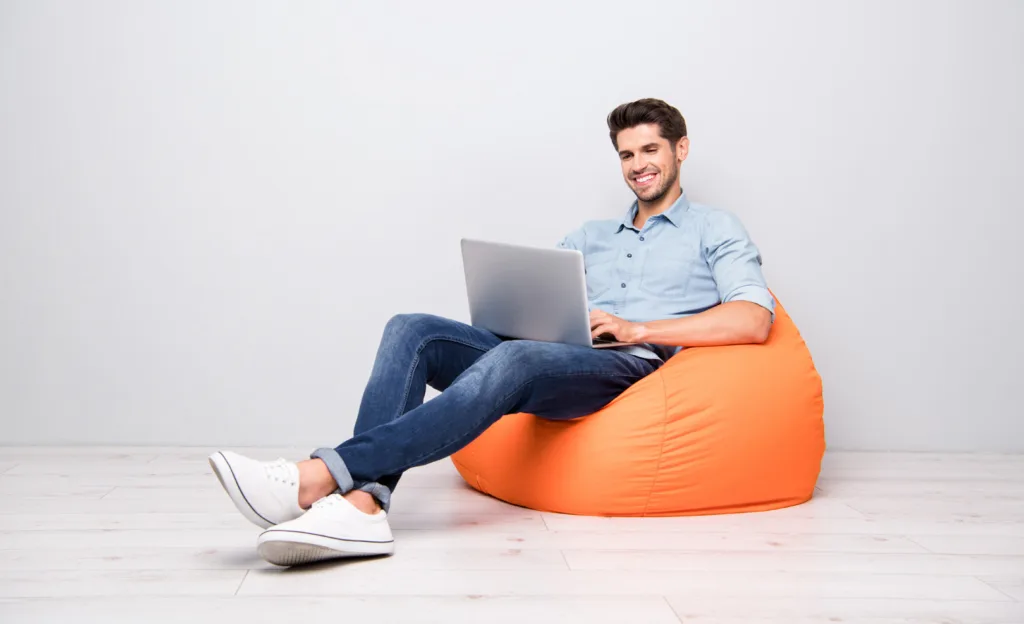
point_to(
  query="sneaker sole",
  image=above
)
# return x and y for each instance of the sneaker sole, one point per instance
(226, 476)
(287, 548)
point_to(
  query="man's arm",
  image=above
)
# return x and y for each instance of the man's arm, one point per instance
(734, 322)
(735, 264)
(747, 310)
(577, 239)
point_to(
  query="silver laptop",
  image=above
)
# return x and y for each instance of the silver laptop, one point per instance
(528, 293)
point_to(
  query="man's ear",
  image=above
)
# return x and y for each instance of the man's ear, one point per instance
(683, 149)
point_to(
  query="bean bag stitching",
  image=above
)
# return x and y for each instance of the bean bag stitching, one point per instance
(459, 465)
(661, 452)
(518, 388)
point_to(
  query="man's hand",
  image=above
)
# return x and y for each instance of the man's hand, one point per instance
(624, 331)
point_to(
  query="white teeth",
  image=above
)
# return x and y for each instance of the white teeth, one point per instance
(645, 178)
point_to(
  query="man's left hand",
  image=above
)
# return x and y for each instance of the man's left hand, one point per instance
(624, 331)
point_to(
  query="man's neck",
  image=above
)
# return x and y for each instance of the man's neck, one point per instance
(646, 210)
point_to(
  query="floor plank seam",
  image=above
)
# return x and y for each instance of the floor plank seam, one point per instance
(918, 542)
(861, 514)
(565, 559)
(244, 576)
(1008, 596)
(668, 603)
(919, 545)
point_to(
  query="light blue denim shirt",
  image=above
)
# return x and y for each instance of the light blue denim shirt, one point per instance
(683, 261)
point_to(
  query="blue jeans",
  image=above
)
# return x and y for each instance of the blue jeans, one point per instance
(481, 377)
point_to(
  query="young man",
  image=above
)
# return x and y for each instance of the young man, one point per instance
(670, 274)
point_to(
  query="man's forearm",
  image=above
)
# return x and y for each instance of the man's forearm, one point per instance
(735, 322)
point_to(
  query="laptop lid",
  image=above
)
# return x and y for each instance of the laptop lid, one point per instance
(528, 293)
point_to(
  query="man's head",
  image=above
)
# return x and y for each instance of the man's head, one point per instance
(650, 137)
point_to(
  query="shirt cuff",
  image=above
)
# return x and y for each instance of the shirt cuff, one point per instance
(754, 294)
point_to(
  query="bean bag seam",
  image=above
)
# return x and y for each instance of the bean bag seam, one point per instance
(661, 451)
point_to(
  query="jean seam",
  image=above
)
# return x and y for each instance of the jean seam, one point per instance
(517, 389)
(416, 360)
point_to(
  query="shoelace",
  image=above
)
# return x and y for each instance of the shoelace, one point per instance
(277, 470)
(331, 500)
(328, 501)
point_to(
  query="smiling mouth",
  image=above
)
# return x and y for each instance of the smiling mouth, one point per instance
(645, 180)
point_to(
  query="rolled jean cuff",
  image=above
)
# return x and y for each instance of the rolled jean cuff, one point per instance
(378, 491)
(336, 466)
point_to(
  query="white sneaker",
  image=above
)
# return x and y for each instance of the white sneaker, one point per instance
(267, 493)
(331, 529)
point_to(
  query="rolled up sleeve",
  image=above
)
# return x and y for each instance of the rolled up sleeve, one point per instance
(735, 261)
(574, 240)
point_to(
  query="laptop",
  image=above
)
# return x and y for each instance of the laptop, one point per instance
(529, 293)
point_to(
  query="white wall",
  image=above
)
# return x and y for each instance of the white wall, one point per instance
(208, 210)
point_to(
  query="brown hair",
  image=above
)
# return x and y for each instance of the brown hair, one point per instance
(670, 121)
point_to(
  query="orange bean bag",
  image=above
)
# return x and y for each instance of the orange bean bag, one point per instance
(715, 430)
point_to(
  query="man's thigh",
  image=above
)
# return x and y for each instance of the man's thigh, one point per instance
(560, 381)
(444, 347)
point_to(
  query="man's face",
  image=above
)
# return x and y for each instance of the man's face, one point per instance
(649, 164)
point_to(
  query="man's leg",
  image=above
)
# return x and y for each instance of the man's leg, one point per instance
(547, 379)
(416, 350)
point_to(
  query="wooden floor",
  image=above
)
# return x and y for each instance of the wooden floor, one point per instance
(147, 535)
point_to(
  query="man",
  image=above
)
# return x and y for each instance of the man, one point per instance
(670, 274)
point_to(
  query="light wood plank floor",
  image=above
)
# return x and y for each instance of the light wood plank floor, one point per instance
(146, 535)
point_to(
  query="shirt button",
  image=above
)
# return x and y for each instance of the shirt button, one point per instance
(629, 255)
(623, 284)
(641, 238)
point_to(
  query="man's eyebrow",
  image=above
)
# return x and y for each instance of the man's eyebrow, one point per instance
(624, 152)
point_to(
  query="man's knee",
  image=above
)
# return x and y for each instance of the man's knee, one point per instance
(413, 326)
(514, 358)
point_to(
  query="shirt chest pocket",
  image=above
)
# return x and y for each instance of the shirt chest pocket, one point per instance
(667, 272)
(602, 271)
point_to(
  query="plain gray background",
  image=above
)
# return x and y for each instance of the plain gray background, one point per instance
(208, 210)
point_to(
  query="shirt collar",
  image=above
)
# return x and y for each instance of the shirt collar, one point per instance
(673, 215)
